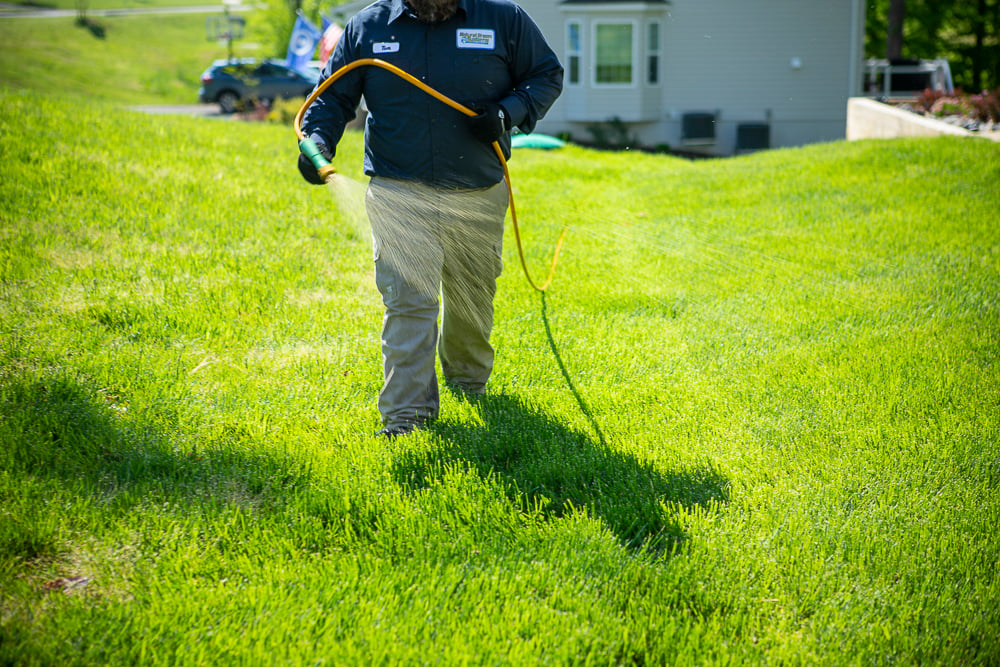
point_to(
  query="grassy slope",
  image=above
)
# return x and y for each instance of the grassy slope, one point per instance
(779, 372)
(110, 4)
(780, 368)
(140, 59)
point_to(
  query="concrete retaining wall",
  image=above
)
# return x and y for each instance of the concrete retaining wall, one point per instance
(868, 119)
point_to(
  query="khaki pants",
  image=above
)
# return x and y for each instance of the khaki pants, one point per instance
(433, 246)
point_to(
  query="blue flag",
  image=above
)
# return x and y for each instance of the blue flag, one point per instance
(302, 45)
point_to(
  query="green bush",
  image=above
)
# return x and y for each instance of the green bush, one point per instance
(283, 111)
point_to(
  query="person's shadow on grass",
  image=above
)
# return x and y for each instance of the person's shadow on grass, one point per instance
(546, 463)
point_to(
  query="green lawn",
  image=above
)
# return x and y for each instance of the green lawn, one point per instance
(138, 60)
(110, 4)
(755, 419)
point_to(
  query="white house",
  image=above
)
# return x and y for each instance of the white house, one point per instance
(712, 76)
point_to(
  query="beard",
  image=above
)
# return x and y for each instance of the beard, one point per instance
(434, 11)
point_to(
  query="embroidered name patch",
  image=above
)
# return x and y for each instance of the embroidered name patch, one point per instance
(475, 39)
(385, 47)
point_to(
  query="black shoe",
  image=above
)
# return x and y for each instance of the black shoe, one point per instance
(391, 433)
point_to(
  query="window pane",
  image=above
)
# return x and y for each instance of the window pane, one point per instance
(614, 53)
(574, 69)
(654, 36)
(654, 69)
(574, 36)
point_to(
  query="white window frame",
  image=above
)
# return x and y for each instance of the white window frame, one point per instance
(572, 53)
(634, 24)
(653, 53)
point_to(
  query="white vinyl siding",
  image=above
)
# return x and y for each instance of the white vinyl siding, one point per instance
(789, 64)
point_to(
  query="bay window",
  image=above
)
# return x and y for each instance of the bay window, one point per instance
(613, 53)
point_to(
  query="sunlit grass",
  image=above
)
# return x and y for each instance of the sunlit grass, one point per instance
(755, 418)
(131, 59)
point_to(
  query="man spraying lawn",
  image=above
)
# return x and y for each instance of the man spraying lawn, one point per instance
(437, 197)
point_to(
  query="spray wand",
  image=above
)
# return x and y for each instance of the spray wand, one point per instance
(326, 170)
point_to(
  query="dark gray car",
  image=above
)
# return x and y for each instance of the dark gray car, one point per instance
(238, 84)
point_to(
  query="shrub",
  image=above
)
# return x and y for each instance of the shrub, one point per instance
(984, 107)
(612, 134)
(283, 111)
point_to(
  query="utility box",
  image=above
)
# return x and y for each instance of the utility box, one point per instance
(698, 128)
(752, 137)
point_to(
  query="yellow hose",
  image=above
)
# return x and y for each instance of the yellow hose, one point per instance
(458, 107)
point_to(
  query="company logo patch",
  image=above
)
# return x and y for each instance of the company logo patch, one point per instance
(385, 47)
(475, 39)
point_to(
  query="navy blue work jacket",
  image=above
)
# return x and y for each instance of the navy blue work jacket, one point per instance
(490, 51)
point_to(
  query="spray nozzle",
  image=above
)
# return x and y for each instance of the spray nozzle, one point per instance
(311, 151)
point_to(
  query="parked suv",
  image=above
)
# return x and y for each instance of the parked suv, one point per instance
(241, 83)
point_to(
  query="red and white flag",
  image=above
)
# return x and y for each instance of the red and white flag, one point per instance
(331, 35)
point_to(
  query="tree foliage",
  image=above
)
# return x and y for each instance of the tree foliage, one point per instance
(274, 19)
(966, 32)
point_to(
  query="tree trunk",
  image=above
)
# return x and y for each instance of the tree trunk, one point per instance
(894, 38)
